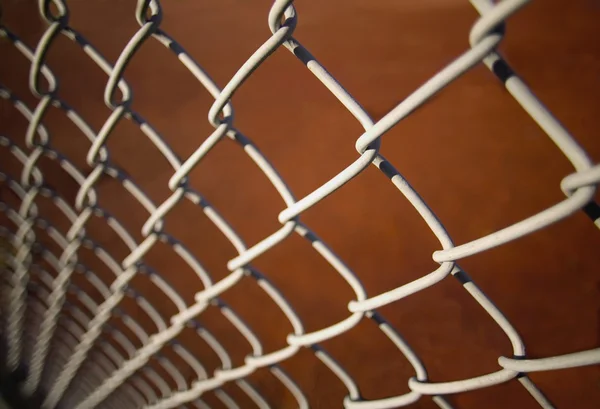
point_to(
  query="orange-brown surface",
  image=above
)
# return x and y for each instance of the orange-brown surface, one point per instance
(472, 153)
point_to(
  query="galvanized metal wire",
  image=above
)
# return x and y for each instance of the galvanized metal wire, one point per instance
(68, 347)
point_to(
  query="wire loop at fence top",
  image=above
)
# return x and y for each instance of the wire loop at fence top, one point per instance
(68, 344)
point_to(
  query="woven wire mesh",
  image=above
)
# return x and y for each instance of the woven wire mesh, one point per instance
(80, 337)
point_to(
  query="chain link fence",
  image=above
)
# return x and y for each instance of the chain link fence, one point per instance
(61, 341)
